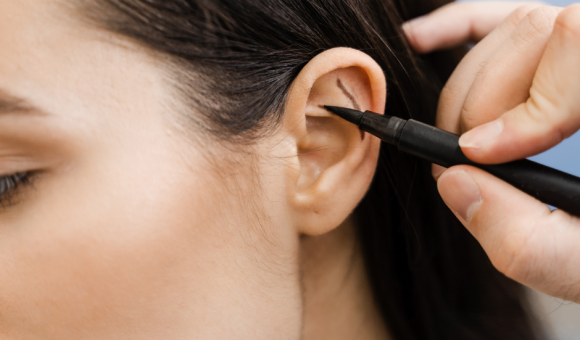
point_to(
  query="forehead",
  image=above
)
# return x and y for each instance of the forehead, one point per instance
(54, 59)
(34, 34)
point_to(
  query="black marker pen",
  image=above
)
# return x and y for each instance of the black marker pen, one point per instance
(548, 185)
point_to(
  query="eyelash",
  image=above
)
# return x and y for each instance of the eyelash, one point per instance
(10, 187)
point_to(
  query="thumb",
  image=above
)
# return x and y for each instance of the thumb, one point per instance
(552, 111)
(522, 237)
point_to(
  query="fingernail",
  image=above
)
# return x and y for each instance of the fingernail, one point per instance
(460, 193)
(481, 135)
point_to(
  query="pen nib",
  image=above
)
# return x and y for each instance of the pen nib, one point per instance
(350, 115)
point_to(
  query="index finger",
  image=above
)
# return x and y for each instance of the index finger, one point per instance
(456, 23)
(549, 115)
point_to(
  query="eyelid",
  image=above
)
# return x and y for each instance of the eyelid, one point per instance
(13, 160)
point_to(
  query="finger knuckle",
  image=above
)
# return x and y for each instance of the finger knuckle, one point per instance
(569, 19)
(517, 251)
(453, 6)
(521, 12)
(541, 20)
(469, 119)
(540, 111)
(516, 256)
(537, 24)
(449, 106)
(473, 113)
(448, 94)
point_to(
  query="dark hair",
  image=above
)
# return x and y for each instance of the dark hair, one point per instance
(430, 278)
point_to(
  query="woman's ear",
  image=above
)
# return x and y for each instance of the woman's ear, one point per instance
(336, 161)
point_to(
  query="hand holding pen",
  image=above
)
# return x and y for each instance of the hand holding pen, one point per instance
(515, 94)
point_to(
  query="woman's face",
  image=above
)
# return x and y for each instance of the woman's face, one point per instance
(126, 229)
(119, 222)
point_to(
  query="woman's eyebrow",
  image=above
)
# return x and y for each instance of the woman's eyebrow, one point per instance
(10, 104)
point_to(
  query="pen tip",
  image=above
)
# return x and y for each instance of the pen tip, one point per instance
(353, 116)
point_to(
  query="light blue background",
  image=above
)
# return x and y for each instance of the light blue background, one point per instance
(559, 2)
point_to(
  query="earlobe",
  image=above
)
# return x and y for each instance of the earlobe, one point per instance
(336, 161)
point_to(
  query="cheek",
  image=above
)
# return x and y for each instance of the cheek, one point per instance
(106, 248)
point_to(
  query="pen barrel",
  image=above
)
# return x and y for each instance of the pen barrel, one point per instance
(548, 185)
(374, 124)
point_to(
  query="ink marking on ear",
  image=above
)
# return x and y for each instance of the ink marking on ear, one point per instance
(353, 101)
(346, 93)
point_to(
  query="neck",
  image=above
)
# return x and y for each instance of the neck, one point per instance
(338, 302)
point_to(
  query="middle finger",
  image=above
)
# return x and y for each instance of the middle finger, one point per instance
(455, 91)
(505, 79)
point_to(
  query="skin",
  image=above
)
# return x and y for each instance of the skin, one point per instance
(515, 94)
(134, 227)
